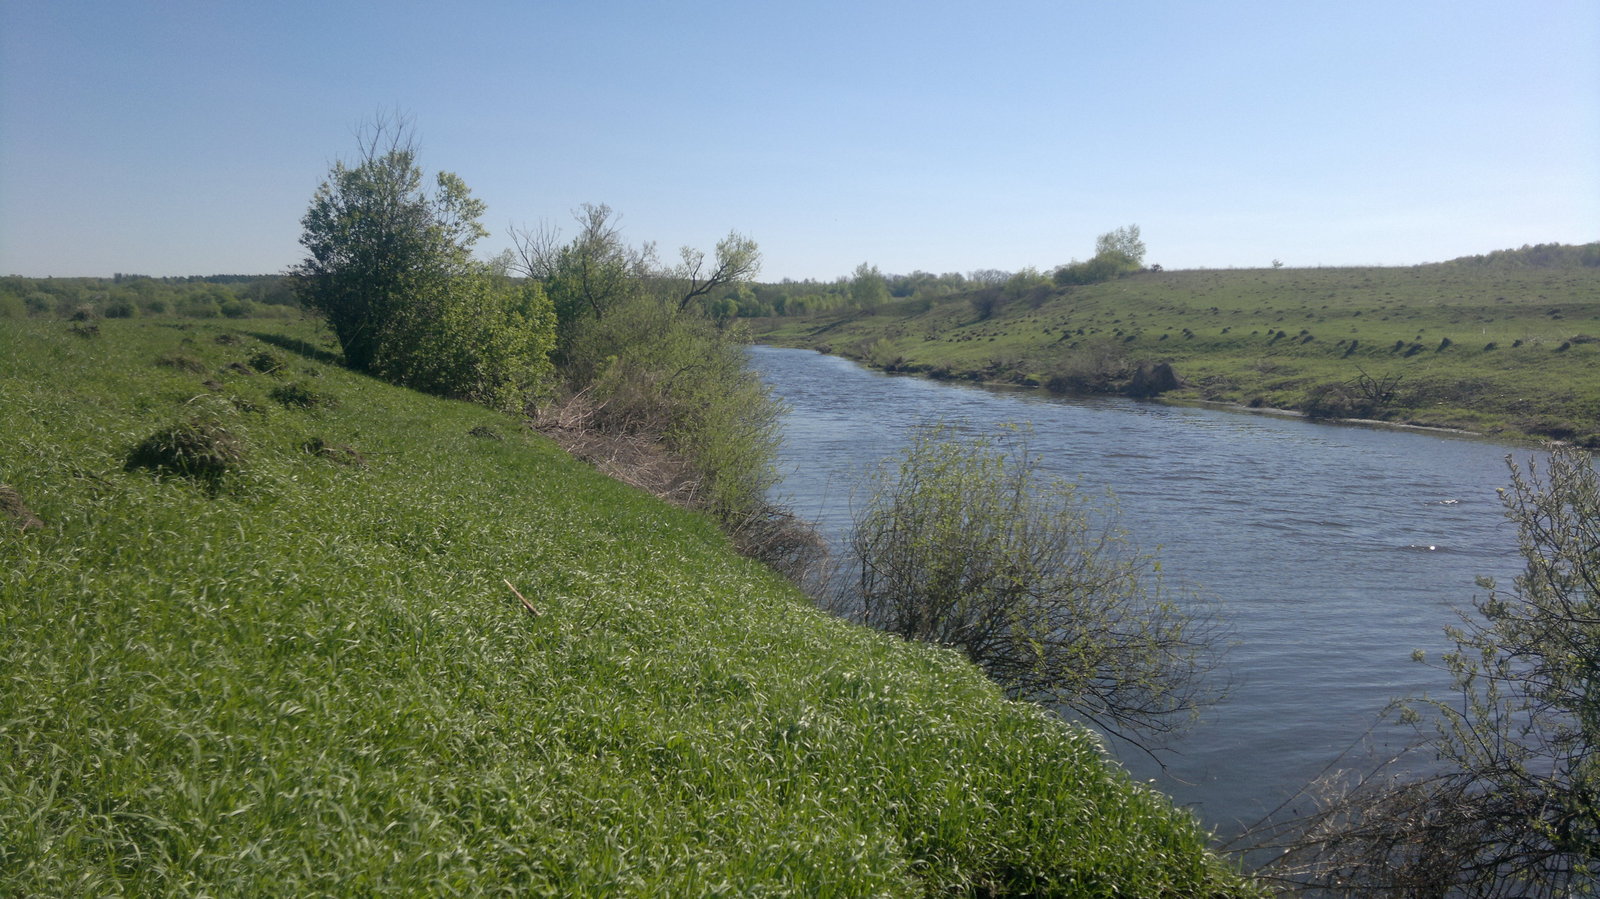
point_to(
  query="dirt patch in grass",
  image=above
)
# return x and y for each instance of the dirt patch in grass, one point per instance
(181, 362)
(15, 512)
(341, 453)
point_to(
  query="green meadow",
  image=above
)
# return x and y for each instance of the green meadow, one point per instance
(1507, 351)
(260, 638)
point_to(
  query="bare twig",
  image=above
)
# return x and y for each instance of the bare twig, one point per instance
(525, 604)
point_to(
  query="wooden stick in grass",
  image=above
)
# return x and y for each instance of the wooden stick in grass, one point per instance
(527, 605)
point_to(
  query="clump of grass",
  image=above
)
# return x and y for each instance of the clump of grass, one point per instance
(181, 362)
(15, 511)
(202, 450)
(486, 432)
(298, 396)
(267, 362)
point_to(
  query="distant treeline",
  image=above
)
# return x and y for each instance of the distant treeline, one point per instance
(1543, 255)
(130, 296)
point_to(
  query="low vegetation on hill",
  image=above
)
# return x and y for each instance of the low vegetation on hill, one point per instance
(276, 627)
(1506, 344)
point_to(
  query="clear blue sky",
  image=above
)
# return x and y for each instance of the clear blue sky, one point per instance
(173, 138)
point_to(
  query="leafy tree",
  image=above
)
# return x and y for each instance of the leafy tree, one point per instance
(966, 544)
(1116, 253)
(738, 259)
(378, 242)
(391, 268)
(587, 277)
(868, 289)
(1512, 806)
(487, 340)
(643, 362)
(1123, 246)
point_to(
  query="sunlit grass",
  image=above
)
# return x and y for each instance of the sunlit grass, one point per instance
(1514, 352)
(309, 678)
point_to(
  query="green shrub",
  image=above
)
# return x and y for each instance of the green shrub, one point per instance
(181, 362)
(202, 450)
(200, 307)
(964, 542)
(655, 371)
(299, 396)
(484, 339)
(267, 362)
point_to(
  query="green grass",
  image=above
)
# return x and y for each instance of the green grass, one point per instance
(306, 675)
(1506, 351)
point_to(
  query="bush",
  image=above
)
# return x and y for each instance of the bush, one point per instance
(267, 362)
(1329, 401)
(202, 450)
(1096, 366)
(966, 544)
(1096, 270)
(653, 370)
(299, 396)
(181, 362)
(200, 307)
(484, 339)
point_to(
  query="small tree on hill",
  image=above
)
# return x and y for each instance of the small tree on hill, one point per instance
(966, 544)
(1116, 253)
(390, 265)
(1122, 246)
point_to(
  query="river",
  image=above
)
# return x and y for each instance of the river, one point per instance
(1334, 551)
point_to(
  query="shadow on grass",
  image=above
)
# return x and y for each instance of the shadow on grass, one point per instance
(296, 345)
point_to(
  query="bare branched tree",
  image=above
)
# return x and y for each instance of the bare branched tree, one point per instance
(737, 259)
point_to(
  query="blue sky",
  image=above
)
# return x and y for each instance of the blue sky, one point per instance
(173, 138)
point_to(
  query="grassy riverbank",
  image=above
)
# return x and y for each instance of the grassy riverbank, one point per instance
(1508, 351)
(298, 669)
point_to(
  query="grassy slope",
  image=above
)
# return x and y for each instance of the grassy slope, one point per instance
(1229, 352)
(313, 681)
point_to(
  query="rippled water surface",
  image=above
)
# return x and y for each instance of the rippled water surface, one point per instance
(1335, 551)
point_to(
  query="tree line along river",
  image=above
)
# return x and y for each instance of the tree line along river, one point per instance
(1334, 551)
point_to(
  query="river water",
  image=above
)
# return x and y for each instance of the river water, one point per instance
(1334, 551)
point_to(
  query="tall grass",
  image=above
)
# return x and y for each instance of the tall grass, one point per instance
(312, 680)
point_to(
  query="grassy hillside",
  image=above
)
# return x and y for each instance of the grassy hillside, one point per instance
(1509, 351)
(296, 669)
